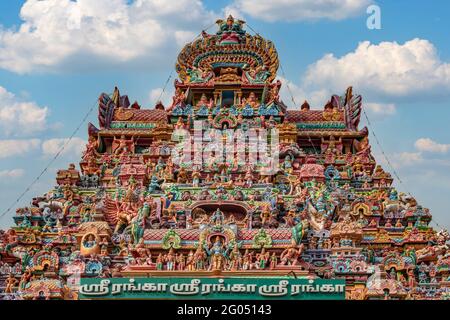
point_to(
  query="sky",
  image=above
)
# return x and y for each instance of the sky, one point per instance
(58, 56)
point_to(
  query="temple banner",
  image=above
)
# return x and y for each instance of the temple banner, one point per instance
(212, 288)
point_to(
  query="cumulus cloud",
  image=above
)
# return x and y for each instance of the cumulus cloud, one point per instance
(14, 173)
(63, 34)
(384, 74)
(423, 145)
(12, 148)
(387, 70)
(74, 148)
(300, 10)
(20, 118)
(428, 145)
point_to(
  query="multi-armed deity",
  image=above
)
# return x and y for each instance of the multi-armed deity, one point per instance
(317, 206)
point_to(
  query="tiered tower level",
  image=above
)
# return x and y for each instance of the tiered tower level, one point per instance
(328, 211)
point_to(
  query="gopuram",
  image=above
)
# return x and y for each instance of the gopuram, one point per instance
(225, 187)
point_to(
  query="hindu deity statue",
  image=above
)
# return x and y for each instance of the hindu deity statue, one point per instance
(235, 259)
(217, 253)
(252, 101)
(170, 260)
(91, 148)
(266, 214)
(122, 145)
(363, 154)
(217, 218)
(196, 177)
(262, 259)
(178, 99)
(230, 31)
(291, 254)
(205, 102)
(197, 75)
(287, 165)
(199, 258)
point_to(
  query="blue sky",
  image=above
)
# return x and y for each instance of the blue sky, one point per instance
(56, 57)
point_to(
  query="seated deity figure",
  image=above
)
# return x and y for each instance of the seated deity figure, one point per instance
(252, 101)
(266, 214)
(182, 175)
(122, 145)
(230, 31)
(332, 146)
(204, 102)
(90, 241)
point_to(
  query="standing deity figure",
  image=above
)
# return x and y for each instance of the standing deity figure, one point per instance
(160, 262)
(181, 261)
(262, 259)
(273, 261)
(217, 218)
(235, 259)
(247, 263)
(199, 258)
(170, 260)
(217, 254)
(190, 261)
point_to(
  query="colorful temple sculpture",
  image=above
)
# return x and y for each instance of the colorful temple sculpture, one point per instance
(137, 207)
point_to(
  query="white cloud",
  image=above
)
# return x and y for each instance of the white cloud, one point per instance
(11, 148)
(74, 148)
(385, 70)
(407, 159)
(64, 34)
(158, 94)
(379, 111)
(292, 93)
(426, 144)
(18, 117)
(299, 10)
(382, 73)
(14, 173)
(422, 145)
